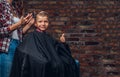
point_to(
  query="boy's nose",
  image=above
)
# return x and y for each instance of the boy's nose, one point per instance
(43, 23)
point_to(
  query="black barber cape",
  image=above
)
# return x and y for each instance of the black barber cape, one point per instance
(39, 55)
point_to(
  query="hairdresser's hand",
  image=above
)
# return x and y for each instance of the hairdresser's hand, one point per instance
(22, 21)
(26, 19)
(31, 21)
(62, 38)
(28, 25)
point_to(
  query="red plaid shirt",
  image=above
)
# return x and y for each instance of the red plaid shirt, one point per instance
(5, 22)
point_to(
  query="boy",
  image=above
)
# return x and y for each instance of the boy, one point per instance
(40, 55)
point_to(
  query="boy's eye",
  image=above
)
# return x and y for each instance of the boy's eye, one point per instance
(45, 21)
(42, 21)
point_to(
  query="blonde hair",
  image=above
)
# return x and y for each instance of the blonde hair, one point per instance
(42, 13)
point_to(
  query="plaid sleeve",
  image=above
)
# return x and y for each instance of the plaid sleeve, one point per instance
(4, 19)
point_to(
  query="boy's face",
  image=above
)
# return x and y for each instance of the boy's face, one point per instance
(42, 22)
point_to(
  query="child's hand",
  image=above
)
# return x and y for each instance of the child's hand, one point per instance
(62, 38)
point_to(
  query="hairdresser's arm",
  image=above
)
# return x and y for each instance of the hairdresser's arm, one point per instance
(5, 26)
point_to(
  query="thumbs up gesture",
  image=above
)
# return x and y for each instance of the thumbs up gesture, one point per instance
(62, 38)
